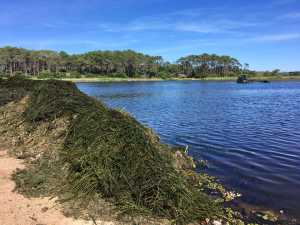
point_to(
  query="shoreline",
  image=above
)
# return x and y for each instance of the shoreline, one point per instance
(220, 79)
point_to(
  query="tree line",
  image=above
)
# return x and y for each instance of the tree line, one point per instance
(205, 64)
(46, 63)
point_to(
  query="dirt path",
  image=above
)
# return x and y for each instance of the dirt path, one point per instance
(15, 209)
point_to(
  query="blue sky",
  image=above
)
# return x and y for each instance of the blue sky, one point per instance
(265, 34)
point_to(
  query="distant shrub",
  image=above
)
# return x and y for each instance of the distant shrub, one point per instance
(201, 75)
(272, 73)
(44, 75)
(49, 75)
(74, 74)
(19, 74)
(119, 75)
(231, 74)
(90, 75)
(164, 75)
(295, 73)
(251, 73)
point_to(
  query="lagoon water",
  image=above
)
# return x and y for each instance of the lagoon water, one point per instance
(249, 133)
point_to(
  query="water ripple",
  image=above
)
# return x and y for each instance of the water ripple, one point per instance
(250, 134)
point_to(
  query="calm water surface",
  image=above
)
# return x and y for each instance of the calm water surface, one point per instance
(250, 133)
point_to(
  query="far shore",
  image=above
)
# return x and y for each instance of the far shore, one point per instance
(113, 79)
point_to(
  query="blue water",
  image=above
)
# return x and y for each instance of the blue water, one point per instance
(249, 133)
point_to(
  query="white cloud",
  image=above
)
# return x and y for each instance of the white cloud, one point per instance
(65, 43)
(292, 15)
(284, 2)
(171, 22)
(196, 27)
(276, 37)
(134, 26)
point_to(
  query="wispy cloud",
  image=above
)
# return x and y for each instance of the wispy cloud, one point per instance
(134, 26)
(284, 2)
(195, 12)
(161, 26)
(196, 27)
(48, 43)
(291, 15)
(187, 45)
(171, 22)
(66, 43)
(276, 37)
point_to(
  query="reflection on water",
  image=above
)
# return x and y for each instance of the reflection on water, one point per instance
(250, 134)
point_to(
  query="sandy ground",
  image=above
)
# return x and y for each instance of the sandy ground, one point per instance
(15, 209)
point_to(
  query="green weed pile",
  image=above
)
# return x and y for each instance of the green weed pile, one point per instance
(107, 153)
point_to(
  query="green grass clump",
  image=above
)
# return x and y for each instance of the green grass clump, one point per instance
(108, 152)
(36, 180)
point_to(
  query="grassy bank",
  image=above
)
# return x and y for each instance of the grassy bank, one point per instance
(80, 151)
(112, 79)
(257, 78)
(83, 153)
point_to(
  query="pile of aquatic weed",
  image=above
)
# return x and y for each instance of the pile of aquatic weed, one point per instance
(107, 153)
